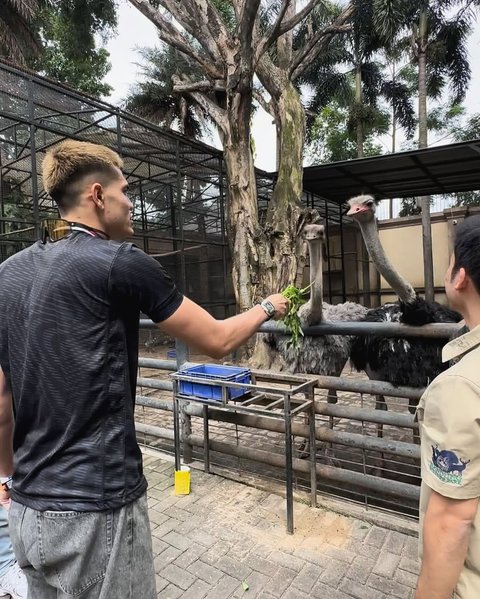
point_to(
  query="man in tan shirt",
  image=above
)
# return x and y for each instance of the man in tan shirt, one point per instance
(449, 417)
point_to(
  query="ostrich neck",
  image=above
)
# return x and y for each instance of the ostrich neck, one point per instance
(401, 287)
(316, 280)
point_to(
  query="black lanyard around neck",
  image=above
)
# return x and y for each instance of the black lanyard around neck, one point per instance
(56, 229)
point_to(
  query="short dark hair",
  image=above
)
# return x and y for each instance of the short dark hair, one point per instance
(466, 249)
(67, 163)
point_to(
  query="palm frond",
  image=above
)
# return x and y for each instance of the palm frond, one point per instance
(155, 98)
(18, 40)
(399, 96)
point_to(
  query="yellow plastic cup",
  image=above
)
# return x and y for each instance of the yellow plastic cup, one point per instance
(182, 481)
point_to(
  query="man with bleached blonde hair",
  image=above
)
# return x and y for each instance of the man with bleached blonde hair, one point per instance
(69, 319)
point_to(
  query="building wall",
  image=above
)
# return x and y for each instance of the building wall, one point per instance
(402, 241)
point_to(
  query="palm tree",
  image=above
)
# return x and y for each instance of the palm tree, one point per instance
(350, 74)
(437, 42)
(18, 40)
(156, 99)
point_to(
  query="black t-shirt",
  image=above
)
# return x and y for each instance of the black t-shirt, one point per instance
(69, 318)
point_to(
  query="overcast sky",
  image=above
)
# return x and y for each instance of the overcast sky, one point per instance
(135, 30)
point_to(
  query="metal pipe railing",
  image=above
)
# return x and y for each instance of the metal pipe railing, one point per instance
(324, 382)
(155, 431)
(322, 433)
(385, 329)
(365, 481)
(370, 387)
(155, 384)
(158, 364)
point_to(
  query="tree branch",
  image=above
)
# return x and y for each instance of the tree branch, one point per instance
(199, 86)
(280, 28)
(248, 16)
(171, 36)
(213, 23)
(272, 78)
(298, 18)
(237, 7)
(268, 39)
(303, 57)
(218, 114)
(264, 103)
(195, 23)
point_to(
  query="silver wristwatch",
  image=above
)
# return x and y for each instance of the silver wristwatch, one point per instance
(6, 482)
(268, 308)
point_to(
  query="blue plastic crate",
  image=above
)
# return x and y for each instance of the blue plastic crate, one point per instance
(206, 372)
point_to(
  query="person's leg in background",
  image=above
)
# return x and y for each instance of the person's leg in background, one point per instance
(12, 579)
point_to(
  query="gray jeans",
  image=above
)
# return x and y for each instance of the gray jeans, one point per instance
(86, 555)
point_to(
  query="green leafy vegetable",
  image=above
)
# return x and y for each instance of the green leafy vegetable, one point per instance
(291, 320)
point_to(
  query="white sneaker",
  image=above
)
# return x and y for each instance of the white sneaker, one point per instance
(14, 583)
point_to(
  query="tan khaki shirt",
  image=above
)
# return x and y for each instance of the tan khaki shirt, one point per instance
(449, 418)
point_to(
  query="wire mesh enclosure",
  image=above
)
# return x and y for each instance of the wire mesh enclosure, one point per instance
(177, 185)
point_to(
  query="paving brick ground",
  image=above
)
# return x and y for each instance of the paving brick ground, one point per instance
(227, 539)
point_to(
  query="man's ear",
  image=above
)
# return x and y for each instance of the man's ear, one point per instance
(461, 280)
(96, 193)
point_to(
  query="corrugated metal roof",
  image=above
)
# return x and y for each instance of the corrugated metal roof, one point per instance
(434, 170)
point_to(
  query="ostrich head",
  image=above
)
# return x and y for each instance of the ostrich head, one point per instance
(362, 208)
(314, 233)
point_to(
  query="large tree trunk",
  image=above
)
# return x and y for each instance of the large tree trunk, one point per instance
(283, 253)
(286, 215)
(424, 201)
(242, 221)
(242, 209)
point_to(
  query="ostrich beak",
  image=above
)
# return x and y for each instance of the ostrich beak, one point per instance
(357, 209)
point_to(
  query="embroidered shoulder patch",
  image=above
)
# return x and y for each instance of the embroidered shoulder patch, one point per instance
(447, 466)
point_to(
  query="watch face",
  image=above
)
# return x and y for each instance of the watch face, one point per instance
(269, 308)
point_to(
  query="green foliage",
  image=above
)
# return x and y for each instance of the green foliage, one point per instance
(351, 74)
(466, 130)
(445, 118)
(67, 61)
(409, 207)
(60, 39)
(70, 30)
(467, 198)
(333, 138)
(225, 8)
(291, 320)
(446, 39)
(154, 98)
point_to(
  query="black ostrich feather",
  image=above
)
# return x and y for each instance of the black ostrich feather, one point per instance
(419, 312)
(408, 361)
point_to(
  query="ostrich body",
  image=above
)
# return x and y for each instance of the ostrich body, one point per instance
(412, 362)
(328, 354)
